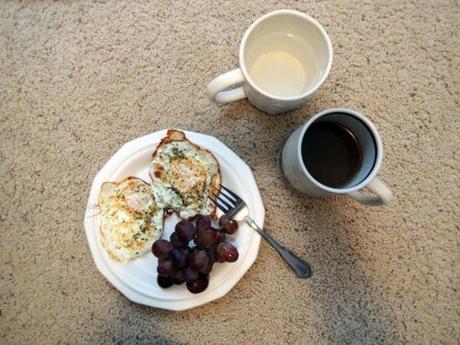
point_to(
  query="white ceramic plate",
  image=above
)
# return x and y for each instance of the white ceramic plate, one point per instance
(137, 279)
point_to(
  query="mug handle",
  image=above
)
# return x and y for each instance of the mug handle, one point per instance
(217, 85)
(383, 194)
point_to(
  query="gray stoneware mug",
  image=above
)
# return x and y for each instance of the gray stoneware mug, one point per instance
(298, 175)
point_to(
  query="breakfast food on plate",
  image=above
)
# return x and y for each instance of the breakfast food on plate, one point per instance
(132, 215)
(194, 247)
(183, 175)
(130, 218)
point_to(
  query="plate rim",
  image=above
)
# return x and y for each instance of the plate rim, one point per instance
(134, 296)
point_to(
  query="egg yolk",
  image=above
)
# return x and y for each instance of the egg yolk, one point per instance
(187, 175)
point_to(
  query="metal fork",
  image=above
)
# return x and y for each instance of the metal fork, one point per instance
(235, 208)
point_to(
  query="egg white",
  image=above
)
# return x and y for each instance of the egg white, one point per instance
(130, 219)
(183, 175)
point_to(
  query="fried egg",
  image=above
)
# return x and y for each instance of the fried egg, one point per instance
(130, 218)
(183, 175)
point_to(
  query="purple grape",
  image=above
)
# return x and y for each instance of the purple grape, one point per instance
(206, 237)
(212, 252)
(224, 220)
(227, 252)
(198, 285)
(179, 257)
(199, 259)
(165, 267)
(190, 274)
(178, 277)
(185, 230)
(202, 222)
(220, 257)
(230, 228)
(161, 249)
(221, 237)
(206, 269)
(164, 281)
(177, 262)
(177, 242)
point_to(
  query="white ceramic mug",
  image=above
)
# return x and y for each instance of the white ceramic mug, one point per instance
(285, 56)
(299, 177)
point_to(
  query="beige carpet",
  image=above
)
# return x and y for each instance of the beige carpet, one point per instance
(78, 79)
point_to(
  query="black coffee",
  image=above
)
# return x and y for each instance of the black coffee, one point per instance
(331, 153)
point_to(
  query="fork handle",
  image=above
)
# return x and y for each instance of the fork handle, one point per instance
(300, 267)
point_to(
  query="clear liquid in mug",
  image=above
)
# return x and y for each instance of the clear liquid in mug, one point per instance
(283, 65)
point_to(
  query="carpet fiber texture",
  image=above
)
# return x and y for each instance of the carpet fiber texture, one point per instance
(78, 79)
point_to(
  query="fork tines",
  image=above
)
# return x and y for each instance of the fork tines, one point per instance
(226, 201)
(234, 197)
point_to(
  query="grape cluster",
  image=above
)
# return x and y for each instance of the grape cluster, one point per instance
(192, 249)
